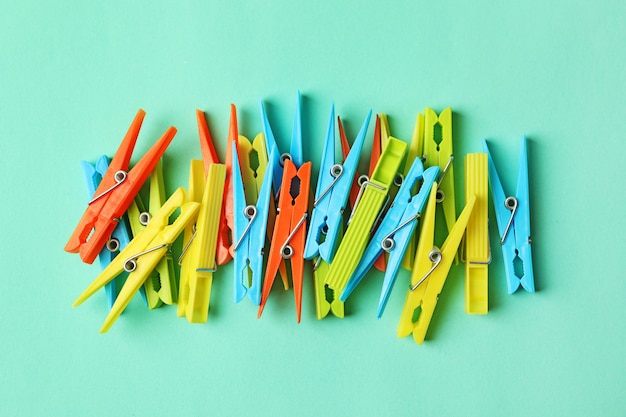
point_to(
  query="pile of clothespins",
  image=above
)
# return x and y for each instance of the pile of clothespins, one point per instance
(255, 209)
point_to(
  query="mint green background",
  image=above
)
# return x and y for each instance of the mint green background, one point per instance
(72, 77)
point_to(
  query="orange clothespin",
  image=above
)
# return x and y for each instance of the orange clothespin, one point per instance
(290, 227)
(209, 156)
(116, 191)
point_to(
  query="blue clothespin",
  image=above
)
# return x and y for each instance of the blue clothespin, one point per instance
(513, 218)
(249, 230)
(331, 197)
(295, 150)
(121, 235)
(395, 230)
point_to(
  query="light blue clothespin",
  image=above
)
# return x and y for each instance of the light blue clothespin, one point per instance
(331, 197)
(395, 231)
(121, 234)
(249, 230)
(295, 150)
(513, 218)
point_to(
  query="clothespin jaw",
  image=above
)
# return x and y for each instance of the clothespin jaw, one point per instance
(143, 253)
(431, 270)
(115, 193)
(331, 196)
(203, 248)
(513, 219)
(440, 154)
(249, 231)
(325, 298)
(395, 231)
(120, 236)
(477, 250)
(209, 156)
(373, 195)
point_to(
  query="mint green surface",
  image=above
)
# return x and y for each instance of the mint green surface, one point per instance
(72, 78)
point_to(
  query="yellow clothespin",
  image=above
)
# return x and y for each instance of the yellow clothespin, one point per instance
(430, 270)
(438, 152)
(195, 191)
(477, 251)
(143, 253)
(372, 196)
(161, 286)
(201, 248)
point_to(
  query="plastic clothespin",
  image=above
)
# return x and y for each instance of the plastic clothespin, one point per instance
(380, 263)
(202, 248)
(395, 231)
(437, 150)
(290, 227)
(120, 236)
(373, 194)
(161, 287)
(209, 157)
(325, 299)
(477, 251)
(143, 253)
(195, 192)
(115, 193)
(249, 231)
(289, 231)
(331, 197)
(513, 218)
(430, 270)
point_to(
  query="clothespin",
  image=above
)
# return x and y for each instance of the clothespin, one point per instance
(161, 287)
(430, 270)
(120, 236)
(380, 263)
(325, 299)
(438, 152)
(331, 196)
(395, 231)
(143, 253)
(195, 192)
(115, 193)
(249, 231)
(372, 198)
(209, 157)
(201, 249)
(477, 250)
(513, 218)
(290, 228)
